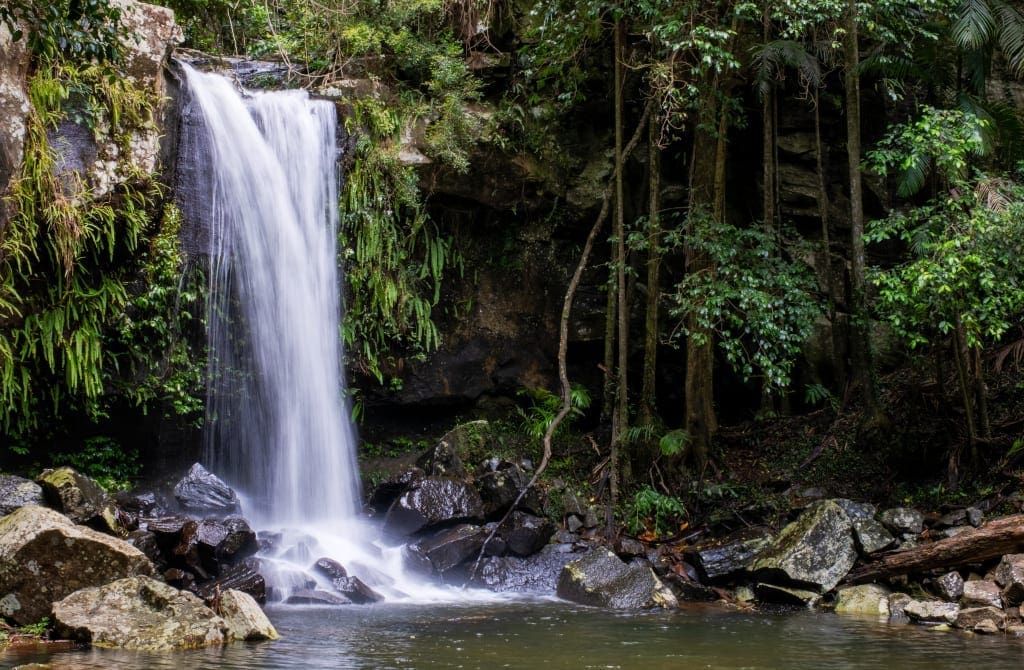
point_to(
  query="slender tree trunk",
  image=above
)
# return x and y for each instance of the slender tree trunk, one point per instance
(981, 394)
(648, 396)
(960, 357)
(826, 240)
(860, 347)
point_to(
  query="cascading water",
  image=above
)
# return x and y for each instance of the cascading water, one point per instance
(277, 426)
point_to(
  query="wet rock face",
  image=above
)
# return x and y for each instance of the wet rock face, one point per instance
(537, 573)
(14, 110)
(602, 579)
(17, 491)
(500, 484)
(80, 498)
(243, 577)
(815, 552)
(44, 557)
(526, 534)
(729, 555)
(205, 546)
(356, 591)
(202, 491)
(431, 502)
(138, 613)
(448, 548)
(863, 599)
(1009, 575)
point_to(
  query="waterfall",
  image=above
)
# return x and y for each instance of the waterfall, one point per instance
(277, 423)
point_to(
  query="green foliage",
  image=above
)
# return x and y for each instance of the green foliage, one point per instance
(395, 255)
(815, 394)
(544, 405)
(655, 513)
(673, 443)
(38, 628)
(102, 458)
(87, 30)
(757, 303)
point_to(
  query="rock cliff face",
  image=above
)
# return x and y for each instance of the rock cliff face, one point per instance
(14, 109)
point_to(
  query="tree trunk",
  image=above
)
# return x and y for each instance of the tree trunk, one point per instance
(648, 395)
(826, 242)
(994, 539)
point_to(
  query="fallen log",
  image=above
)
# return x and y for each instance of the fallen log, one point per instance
(991, 540)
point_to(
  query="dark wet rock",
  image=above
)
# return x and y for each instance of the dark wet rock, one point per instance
(856, 510)
(178, 578)
(981, 619)
(536, 573)
(44, 557)
(931, 611)
(431, 502)
(443, 460)
(385, 493)
(725, 556)
(863, 599)
(690, 590)
(244, 577)
(602, 579)
(202, 491)
(871, 536)
(975, 516)
(330, 568)
(814, 552)
(981, 593)
(146, 542)
(138, 613)
(564, 536)
(244, 618)
(17, 492)
(81, 499)
(356, 591)
(269, 541)
(166, 527)
(950, 586)
(627, 547)
(957, 517)
(903, 520)
(316, 597)
(499, 487)
(526, 534)
(590, 518)
(574, 523)
(205, 546)
(449, 547)
(142, 505)
(785, 595)
(1009, 574)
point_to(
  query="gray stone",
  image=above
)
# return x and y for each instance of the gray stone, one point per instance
(138, 613)
(316, 597)
(981, 593)
(726, 556)
(80, 498)
(500, 487)
(903, 520)
(974, 516)
(243, 617)
(602, 579)
(17, 491)
(533, 574)
(931, 611)
(855, 510)
(244, 577)
(450, 546)
(14, 110)
(202, 491)
(950, 586)
(526, 534)
(981, 619)
(863, 599)
(356, 590)
(433, 501)
(897, 605)
(815, 552)
(1009, 574)
(44, 557)
(871, 536)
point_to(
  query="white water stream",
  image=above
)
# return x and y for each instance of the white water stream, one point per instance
(277, 423)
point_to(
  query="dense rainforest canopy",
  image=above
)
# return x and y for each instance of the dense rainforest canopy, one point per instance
(905, 239)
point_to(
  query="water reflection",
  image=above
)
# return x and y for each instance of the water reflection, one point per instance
(556, 635)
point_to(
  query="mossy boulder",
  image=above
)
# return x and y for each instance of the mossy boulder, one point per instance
(44, 557)
(81, 499)
(602, 579)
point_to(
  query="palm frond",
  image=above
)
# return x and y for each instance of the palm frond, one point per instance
(1011, 35)
(974, 25)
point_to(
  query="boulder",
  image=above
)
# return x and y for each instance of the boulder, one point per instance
(931, 611)
(329, 568)
(602, 579)
(385, 493)
(871, 536)
(897, 605)
(863, 599)
(533, 574)
(981, 593)
(14, 109)
(81, 499)
(814, 552)
(138, 613)
(202, 491)
(146, 542)
(950, 586)
(316, 597)
(725, 556)
(243, 577)
(903, 520)
(44, 557)
(500, 484)
(526, 534)
(981, 619)
(431, 502)
(855, 510)
(1009, 574)
(207, 546)
(449, 547)
(356, 591)
(17, 491)
(244, 618)
(443, 460)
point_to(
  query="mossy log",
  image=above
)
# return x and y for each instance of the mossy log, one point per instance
(990, 541)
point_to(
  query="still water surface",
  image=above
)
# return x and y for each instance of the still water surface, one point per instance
(546, 634)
